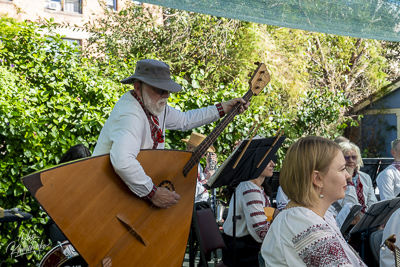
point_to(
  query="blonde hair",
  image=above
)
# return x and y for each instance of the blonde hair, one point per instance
(351, 146)
(308, 154)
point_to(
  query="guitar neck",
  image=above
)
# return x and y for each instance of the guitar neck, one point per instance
(210, 139)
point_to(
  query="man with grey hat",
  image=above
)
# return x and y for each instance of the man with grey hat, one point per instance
(138, 121)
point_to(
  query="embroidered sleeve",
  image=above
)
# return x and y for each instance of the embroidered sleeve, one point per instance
(256, 220)
(152, 193)
(317, 246)
(220, 110)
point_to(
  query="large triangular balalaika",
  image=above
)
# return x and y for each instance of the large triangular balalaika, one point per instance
(107, 223)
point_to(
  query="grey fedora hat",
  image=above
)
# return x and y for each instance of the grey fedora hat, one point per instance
(154, 73)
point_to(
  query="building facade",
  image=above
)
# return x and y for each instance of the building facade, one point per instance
(72, 12)
(381, 121)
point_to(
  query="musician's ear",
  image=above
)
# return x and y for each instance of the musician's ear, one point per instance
(317, 179)
(138, 87)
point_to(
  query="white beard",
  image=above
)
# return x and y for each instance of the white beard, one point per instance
(154, 108)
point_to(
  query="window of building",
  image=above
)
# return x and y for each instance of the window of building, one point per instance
(65, 5)
(55, 5)
(112, 4)
(72, 6)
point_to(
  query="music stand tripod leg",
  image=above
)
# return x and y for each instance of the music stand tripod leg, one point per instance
(364, 236)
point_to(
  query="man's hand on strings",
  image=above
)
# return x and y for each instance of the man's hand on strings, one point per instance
(230, 104)
(163, 198)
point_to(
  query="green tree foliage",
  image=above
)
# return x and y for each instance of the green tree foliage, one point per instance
(51, 99)
(224, 49)
(338, 63)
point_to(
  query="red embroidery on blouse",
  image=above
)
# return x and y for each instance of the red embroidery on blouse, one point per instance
(251, 191)
(259, 224)
(257, 213)
(326, 251)
(254, 202)
(262, 231)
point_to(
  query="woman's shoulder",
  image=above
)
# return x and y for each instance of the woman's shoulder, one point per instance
(246, 185)
(302, 217)
(295, 225)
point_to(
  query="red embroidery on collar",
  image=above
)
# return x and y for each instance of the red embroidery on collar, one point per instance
(396, 164)
(155, 130)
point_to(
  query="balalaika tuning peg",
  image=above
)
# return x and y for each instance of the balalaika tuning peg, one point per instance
(257, 63)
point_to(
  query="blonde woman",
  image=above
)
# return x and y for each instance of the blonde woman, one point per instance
(313, 176)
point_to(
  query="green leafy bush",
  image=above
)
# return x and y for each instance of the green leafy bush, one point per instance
(51, 99)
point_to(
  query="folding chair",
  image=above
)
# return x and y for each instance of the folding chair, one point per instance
(208, 235)
(375, 241)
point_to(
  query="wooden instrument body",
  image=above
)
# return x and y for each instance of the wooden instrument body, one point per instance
(103, 219)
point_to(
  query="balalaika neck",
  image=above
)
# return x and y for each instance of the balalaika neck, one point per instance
(210, 139)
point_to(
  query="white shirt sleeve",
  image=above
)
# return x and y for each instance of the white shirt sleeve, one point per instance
(126, 136)
(385, 182)
(178, 120)
(253, 204)
(125, 132)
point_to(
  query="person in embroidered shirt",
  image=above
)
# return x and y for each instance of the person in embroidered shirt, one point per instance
(313, 175)
(359, 186)
(388, 180)
(138, 121)
(252, 225)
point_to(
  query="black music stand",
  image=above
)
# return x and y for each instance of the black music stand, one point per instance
(252, 163)
(373, 166)
(240, 167)
(376, 215)
(354, 211)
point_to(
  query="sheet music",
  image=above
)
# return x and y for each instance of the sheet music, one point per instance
(344, 212)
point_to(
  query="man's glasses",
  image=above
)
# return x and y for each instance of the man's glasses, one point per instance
(350, 157)
(160, 91)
